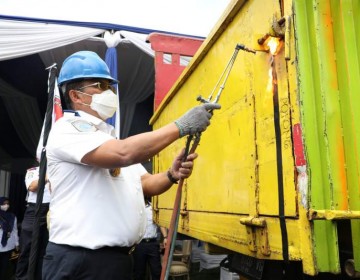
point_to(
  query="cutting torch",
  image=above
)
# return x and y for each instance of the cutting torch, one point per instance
(190, 148)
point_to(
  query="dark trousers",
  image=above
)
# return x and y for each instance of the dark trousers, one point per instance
(25, 242)
(76, 263)
(147, 253)
(4, 264)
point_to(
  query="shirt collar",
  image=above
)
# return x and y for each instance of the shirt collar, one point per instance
(96, 121)
(99, 123)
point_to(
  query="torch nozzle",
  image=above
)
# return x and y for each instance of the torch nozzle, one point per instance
(244, 48)
(202, 99)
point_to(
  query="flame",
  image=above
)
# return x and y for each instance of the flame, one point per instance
(269, 86)
(273, 44)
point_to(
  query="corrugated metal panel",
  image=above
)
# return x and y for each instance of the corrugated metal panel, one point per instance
(328, 48)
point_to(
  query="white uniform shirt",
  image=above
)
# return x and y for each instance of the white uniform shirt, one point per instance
(32, 174)
(151, 227)
(90, 208)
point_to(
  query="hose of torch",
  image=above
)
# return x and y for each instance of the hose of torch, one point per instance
(169, 250)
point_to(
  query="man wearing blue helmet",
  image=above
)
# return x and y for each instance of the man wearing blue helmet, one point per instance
(97, 210)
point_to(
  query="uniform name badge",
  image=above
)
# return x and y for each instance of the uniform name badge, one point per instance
(84, 126)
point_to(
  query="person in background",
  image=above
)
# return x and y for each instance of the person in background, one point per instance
(164, 233)
(31, 182)
(97, 209)
(9, 236)
(147, 253)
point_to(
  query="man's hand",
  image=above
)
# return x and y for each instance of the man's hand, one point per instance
(196, 119)
(184, 169)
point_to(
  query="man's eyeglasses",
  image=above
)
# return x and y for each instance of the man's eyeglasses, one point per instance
(100, 85)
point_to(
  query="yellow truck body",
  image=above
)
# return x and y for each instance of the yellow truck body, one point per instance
(277, 177)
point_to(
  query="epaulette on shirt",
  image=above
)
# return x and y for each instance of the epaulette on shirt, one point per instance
(80, 124)
(71, 113)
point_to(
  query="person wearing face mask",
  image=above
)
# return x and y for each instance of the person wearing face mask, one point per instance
(9, 236)
(97, 210)
(105, 104)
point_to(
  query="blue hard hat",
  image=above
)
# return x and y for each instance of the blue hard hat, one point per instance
(84, 65)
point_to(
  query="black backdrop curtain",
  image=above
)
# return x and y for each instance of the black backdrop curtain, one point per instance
(17, 195)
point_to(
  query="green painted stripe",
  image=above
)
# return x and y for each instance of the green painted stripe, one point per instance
(346, 14)
(320, 119)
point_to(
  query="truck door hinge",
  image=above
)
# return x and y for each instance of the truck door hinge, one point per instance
(256, 227)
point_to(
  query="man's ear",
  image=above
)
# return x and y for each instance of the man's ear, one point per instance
(74, 96)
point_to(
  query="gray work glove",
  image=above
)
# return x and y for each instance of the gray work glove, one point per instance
(196, 119)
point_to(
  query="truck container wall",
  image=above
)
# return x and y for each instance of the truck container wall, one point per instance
(277, 177)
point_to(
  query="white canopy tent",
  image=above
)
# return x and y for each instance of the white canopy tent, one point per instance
(191, 17)
(23, 100)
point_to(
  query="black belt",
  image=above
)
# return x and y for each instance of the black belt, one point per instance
(34, 204)
(122, 250)
(148, 240)
(114, 249)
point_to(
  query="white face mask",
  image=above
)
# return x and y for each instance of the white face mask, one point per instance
(105, 103)
(5, 207)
